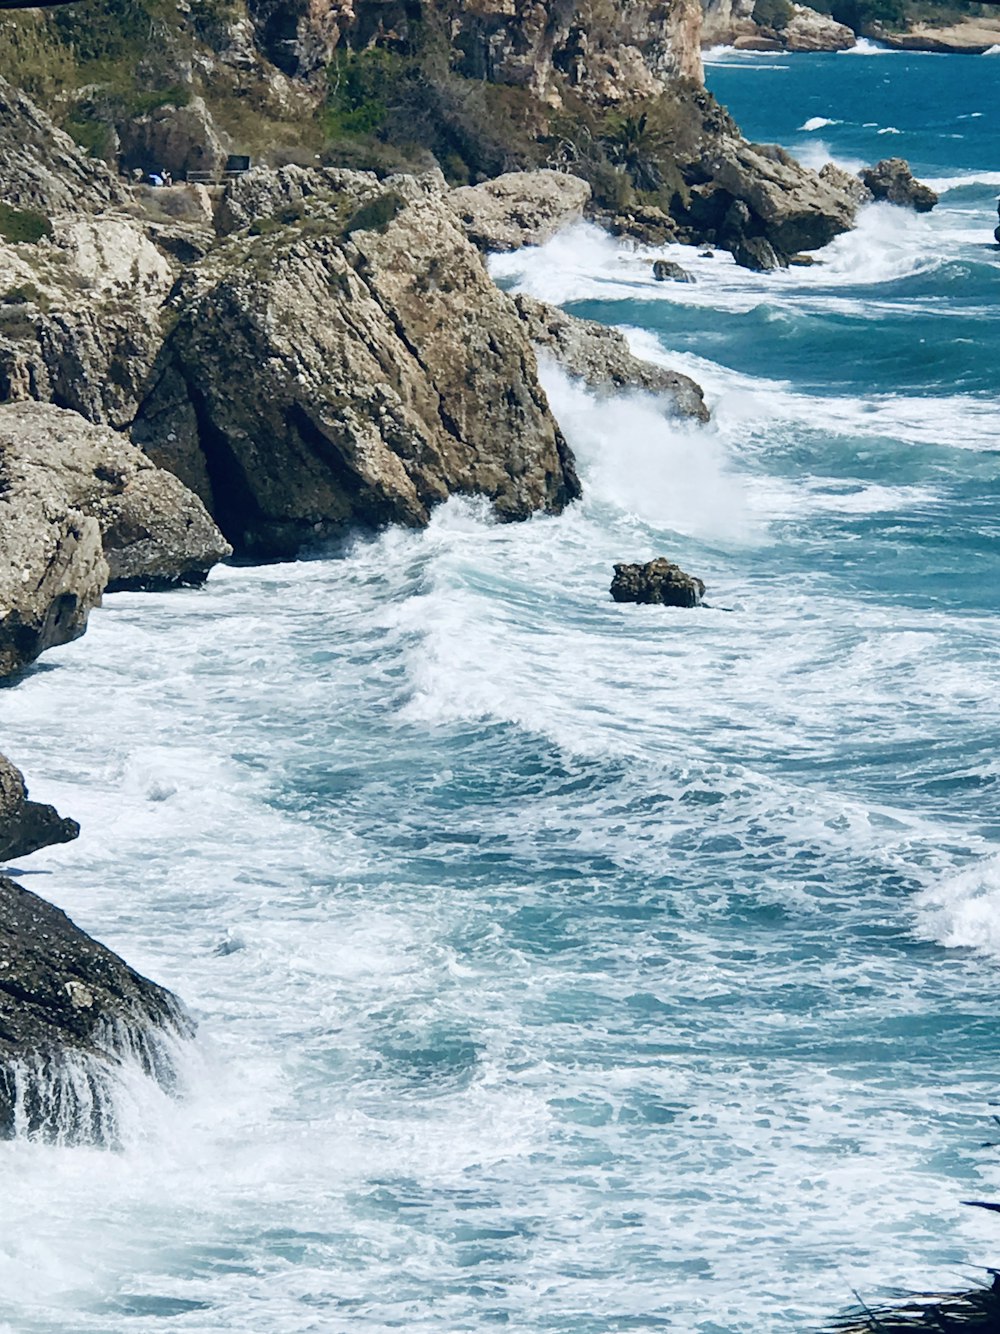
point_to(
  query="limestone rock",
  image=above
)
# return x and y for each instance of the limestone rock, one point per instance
(658, 581)
(808, 30)
(600, 356)
(520, 208)
(329, 375)
(281, 194)
(891, 180)
(71, 1013)
(793, 207)
(26, 826)
(79, 316)
(43, 168)
(844, 181)
(174, 139)
(81, 509)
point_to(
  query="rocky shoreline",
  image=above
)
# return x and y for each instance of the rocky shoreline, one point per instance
(264, 367)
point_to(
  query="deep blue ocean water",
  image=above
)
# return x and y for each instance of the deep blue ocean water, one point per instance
(564, 966)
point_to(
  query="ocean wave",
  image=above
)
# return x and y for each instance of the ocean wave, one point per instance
(817, 123)
(962, 911)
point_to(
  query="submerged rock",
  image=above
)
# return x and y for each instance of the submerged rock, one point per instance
(71, 1014)
(658, 581)
(891, 180)
(26, 826)
(520, 208)
(81, 509)
(600, 356)
(352, 372)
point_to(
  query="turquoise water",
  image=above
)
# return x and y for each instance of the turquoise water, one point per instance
(565, 966)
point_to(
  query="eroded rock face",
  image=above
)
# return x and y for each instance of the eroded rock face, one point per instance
(808, 30)
(174, 139)
(337, 374)
(658, 581)
(71, 1012)
(82, 509)
(891, 180)
(79, 316)
(600, 356)
(519, 208)
(26, 826)
(43, 168)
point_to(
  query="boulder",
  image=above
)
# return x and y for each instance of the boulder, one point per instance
(72, 1013)
(658, 581)
(352, 371)
(757, 253)
(808, 30)
(791, 206)
(26, 826)
(666, 270)
(891, 180)
(82, 509)
(600, 356)
(520, 208)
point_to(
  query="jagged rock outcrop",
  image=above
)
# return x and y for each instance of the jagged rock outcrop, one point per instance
(732, 23)
(669, 271)
(80, 316)
(519, 208)
(759, 190)
(336, 373)
(26, 826)
(659, 582)
(891, 180)
(600, 356)
(264, 194)
(71, 1013)
(43, 168)
(808, 30)
(80, 510)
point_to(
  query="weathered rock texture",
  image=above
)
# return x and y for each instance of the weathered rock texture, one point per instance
(731, 22)
(42, 167)
(600, 356)
(891, 180)
(71, 1013)
(26, 826)
(80, 316)
(82, 509)
(339, 373)
(174, 139)
(519, 208)
(659, 581)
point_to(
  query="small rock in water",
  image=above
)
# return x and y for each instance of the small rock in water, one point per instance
(892, 181)
(757, 253)
(658, 581)
(706, 254)
(665, 270)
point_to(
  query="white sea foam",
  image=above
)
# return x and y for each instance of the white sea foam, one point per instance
(963, 910)
(890, 129)
(817, 123)
(864, 46)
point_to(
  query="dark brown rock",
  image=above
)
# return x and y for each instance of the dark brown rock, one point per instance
(891, 180)
(658, 581)
(26, 826)
(72, 1013)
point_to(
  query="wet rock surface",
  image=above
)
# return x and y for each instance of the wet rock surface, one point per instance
(71, 1012)
(26, 826)
(658, 581)
(520, 208)
(892, 181)
(600, 356)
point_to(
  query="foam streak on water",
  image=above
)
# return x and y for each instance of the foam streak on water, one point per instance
(569, 966)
